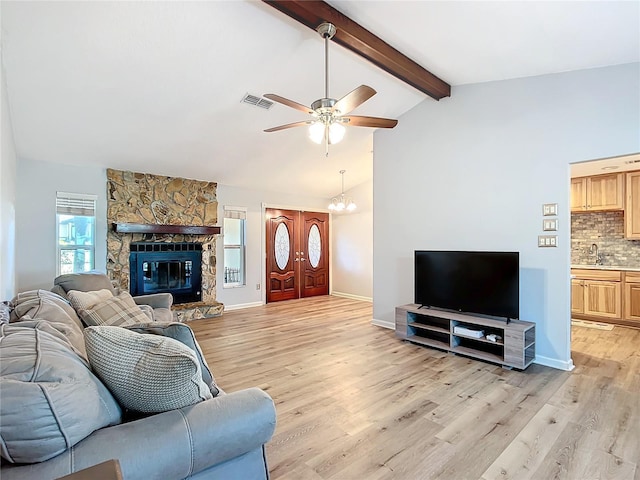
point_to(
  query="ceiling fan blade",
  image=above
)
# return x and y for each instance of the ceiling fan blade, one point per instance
(288, 125)
(354, 99)
(288, 103)
(359, 121)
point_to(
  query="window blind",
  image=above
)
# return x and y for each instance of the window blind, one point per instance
(239, 213)
(76, 204)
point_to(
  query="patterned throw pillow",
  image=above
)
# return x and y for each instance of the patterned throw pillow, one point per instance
(120, 310)
(146, 373)
(86, 300)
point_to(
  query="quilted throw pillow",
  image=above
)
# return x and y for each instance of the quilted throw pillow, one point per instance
(120, 310)
(146, 373)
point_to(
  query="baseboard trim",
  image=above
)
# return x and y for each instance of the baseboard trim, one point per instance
(352, 297)
(240, 306)
(554, 363)
(383, 323)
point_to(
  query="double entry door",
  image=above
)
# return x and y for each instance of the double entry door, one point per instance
(297, 254)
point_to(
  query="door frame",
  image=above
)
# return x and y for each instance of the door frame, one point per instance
(263, 242)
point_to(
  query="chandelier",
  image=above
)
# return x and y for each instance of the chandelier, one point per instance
(342, 203)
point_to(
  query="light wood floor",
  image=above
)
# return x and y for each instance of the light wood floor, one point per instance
(354, 402)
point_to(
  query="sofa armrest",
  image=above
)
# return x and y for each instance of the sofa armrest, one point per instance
(155, 300)
(169, 445)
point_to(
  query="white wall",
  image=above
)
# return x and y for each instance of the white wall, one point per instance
(37, 184)
(248, 295)
(472, 172)
(352, 242)
(7, 203)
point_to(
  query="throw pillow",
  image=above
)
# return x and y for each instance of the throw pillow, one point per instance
(86, 300)
(49, 399)
(184, 334)
(119, 310)
(146, 373)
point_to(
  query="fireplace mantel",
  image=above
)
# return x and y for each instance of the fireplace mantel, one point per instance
(152, 228)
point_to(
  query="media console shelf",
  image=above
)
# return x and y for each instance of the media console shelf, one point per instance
(435, 328)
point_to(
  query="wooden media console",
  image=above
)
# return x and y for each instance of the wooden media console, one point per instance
(516, 347)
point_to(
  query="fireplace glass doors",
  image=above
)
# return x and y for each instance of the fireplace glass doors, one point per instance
(167, 268)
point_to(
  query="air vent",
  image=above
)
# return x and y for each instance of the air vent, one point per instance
(257, 101)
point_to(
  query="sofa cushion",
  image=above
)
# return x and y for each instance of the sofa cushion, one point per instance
(146, 373)
(45, 305)
(49, 399)
(84, 282)
(85, 300)
(119, 310)
(184, 334)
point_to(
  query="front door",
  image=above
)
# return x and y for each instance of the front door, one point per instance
(297, 254)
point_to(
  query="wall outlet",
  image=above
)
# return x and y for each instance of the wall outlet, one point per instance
(257, 286)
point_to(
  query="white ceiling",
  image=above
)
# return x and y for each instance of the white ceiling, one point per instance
(156, 86)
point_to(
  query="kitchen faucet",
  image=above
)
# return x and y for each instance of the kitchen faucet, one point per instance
(598, 258)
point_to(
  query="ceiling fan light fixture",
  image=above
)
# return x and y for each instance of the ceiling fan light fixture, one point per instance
(336, 132)
(316, 132)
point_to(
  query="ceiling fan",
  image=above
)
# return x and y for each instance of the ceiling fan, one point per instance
(330, 115)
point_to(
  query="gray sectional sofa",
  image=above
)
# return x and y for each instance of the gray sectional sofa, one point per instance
(59, 412)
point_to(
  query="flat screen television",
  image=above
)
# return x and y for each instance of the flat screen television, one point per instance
(485, 283)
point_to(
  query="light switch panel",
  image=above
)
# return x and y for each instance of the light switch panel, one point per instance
(547, 240)
(549, 209)
(550, 224)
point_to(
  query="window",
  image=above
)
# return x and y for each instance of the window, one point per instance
(76, 232)
(234, 246)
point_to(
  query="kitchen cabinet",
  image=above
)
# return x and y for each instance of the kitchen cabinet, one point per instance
(632, 297)
(577, 296)
(632, 206)
(597, 193)
(597, 293)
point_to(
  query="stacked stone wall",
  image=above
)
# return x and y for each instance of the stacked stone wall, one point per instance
(156, 200)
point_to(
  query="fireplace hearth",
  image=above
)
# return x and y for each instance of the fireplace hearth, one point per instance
(160, 267)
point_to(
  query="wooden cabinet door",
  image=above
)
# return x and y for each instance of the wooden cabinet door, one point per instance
(632, 302)
(314, 253)
(603, 299)
(605, 192)
(632, 206)
(577, 296)
(578, 194)
(297, 254)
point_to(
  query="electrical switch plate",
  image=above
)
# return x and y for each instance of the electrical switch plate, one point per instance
(547, 240)
(549, 209)
(550, 225)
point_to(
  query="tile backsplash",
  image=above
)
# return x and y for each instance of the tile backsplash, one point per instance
(605, 229)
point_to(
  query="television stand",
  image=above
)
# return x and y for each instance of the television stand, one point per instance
(435, 328)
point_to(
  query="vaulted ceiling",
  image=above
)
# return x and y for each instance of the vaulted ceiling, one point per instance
(157, 86)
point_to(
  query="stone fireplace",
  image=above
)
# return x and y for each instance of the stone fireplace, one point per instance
(167, 250)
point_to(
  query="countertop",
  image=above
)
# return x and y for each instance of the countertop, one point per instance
(606, 267)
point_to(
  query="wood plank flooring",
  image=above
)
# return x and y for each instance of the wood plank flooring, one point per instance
(354, 402)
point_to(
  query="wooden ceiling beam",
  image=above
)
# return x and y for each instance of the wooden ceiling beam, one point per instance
(358, 39)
